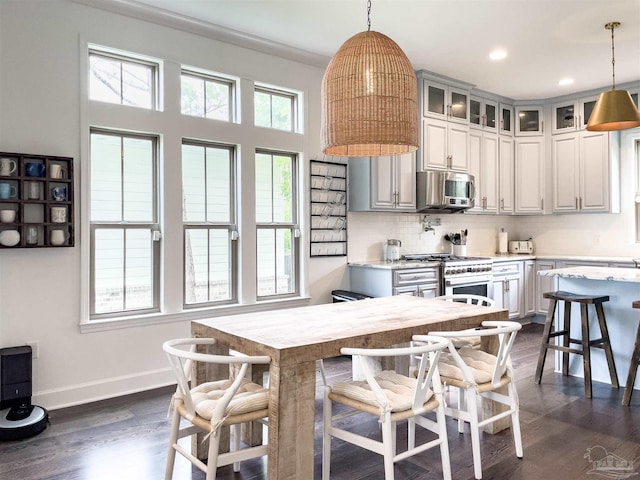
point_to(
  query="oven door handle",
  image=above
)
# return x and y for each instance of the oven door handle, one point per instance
(452, 282)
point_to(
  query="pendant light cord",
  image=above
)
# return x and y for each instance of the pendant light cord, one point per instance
(612, 26)
(369, 16)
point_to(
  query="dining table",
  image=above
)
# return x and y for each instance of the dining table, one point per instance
(296, 338)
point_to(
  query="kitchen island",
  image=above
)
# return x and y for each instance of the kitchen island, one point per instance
(622, 285)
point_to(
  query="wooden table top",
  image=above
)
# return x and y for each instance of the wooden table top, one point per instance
(296, 335)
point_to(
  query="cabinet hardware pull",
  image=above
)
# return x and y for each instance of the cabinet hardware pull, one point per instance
(580, 203)
(576, 203)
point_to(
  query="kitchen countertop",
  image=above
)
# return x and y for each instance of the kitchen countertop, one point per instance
(497, 258)
(595, 273)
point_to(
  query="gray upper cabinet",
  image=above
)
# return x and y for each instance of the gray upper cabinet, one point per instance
(529, 120)
(445, 101)
(483, 114)
(506, 119)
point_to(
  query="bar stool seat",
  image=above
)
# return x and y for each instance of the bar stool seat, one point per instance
(633, 368)
(585, 343)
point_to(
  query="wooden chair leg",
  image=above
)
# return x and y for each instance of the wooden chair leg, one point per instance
(566, 326)
(545, 339)
(606, 344)
(633, 369)
(586, 349)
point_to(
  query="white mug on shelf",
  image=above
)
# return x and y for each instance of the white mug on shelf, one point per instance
(33, 190)
(56, 171)
(7, 166)
(58, 214)
(58, 236)
(7, 216)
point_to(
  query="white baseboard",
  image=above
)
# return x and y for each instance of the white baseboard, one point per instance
(100, 390)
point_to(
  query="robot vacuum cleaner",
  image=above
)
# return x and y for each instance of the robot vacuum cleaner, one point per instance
(18, 417)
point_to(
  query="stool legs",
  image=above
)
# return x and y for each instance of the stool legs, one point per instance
(586, 349)
(606, 345)
(548, 323)
(633, 369)
(585, 343)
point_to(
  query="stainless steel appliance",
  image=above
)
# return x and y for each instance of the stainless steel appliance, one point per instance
(470, 275)
(443, 192)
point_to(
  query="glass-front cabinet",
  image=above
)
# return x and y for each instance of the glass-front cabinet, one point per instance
(444, 101)
(565, 117)
(483, 114)
(506, 119)
(529, 120)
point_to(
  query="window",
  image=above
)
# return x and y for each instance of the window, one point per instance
(206, 96)
(124, 230)
(209, 217)
(274, 109)
(122, 80)
(276, 223)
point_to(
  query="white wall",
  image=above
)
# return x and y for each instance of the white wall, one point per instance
(40, 47)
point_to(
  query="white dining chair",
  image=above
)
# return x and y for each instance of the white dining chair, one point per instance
(480, 375)
(469, 299)
(212, 405)
(391, 398)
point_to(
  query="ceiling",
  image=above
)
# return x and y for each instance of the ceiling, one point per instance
(546, 40)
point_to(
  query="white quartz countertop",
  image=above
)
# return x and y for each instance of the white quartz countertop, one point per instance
(395, 265)
(595, 273)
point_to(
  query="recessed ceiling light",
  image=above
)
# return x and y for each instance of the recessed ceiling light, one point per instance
(498, 54)
(565, 81)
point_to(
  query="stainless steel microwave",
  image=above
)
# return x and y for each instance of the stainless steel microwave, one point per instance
(444, 191)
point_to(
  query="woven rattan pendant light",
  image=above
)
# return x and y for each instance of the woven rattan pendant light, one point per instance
(614, 109)
(369, 98)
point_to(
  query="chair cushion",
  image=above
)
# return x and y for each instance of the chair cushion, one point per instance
(480, 363)
(459, 342)
(249, 398)
(399, 390)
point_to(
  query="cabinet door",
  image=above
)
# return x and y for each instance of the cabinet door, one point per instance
(435, 99)
(475, 159)
(564, 117)
(499, 292)
(431, 290)
(434, 144)
(529, 175)
(489, 173)
(506, 119)
(565, 173)
(529, 121)
(491, 116)
(458, 105)
(586, 106)
(543, 285)
(506, 175)
(594, 171)
(513, 294)
(529, 287)
(383, 191)
(458, 147)
(405, 180)
(475, 112)
(409, 290)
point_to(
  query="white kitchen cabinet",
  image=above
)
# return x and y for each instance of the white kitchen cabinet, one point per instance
(529, 275)
(506, 119)
(506, 175)
(585, 108)
(483, 114)
(581, 172)
(483, 165)
(446, 102)
(529, 120)
(572, 114)
(543, 285)
(508, 292)
(382, 183)
(529, 175)
(383, 282)
(445, 145)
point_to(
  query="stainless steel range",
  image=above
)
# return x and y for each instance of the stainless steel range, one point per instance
(470, 275)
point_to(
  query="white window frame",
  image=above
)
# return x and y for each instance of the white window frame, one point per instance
(131, 58)
(153, 226)
(215, 78)
(278, 92)
(231, 227)
(293, 226)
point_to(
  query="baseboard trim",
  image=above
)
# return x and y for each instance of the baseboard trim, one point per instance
(104, 389)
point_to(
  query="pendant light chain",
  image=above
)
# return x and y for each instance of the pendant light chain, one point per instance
(613, 26)
(368, 15)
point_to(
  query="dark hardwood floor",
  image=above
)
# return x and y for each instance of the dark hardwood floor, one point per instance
(125, 438)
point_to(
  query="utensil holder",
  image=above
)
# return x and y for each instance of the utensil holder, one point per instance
(459, 250)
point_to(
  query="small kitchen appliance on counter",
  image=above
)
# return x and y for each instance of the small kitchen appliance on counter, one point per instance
(521, 246)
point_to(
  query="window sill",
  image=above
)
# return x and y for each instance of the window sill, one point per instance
(130, 321)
